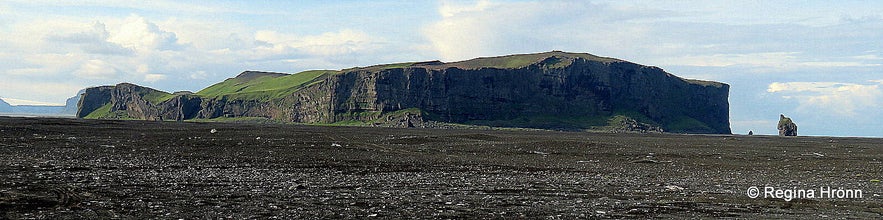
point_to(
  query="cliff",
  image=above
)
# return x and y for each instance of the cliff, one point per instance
(554, 90)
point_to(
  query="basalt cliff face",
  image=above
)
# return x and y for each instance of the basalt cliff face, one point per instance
(554, 90)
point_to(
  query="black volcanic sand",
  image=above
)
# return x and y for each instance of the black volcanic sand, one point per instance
(87, 169)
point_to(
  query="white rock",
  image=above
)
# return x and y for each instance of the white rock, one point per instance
(674, 188)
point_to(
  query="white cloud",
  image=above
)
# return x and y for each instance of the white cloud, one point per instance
(495, 28)
(96, 69)
(137, 33)
(153, 77)
(832, 97)
(472, 30)
(766, 61)
(44, 65)
(345, 41)
(454, 8)
(868, 57)
(209, 35)
(94, 40)
(198, 75)
(13, 101)
(108, 50)
(142, 68)
(175, 7)
(39, 91)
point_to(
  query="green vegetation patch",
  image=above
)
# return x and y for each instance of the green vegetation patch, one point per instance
(368, 118)
(524, 60)
(100, 112)
(157, 97)
(264, 87)
(105, 113)
(383, 67)
(705, 83)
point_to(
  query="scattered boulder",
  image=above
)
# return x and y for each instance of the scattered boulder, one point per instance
(786, 126)
(624, 124)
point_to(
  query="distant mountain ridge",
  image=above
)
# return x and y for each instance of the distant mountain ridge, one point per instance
(5, 107)
(70, 109)
(554, 90)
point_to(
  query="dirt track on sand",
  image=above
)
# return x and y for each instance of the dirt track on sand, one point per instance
(86, 169)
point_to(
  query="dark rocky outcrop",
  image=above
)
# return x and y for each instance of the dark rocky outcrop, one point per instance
(554, 90)
(786, 126)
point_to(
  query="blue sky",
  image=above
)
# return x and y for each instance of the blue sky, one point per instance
(819, 62)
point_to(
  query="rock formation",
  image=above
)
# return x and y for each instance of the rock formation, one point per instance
(554, 90)
(786, 126)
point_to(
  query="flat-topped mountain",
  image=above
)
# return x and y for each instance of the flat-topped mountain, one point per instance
(552, 90)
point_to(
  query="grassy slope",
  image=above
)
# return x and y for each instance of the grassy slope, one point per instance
(262, 88)
(100, 112)
(157, 96)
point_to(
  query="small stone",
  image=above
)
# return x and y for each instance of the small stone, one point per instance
(674, 188)
(213, 131)
(645, 161)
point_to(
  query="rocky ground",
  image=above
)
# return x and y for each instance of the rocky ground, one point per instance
(88, 169)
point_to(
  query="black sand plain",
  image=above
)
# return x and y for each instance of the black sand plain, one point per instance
(94, 169)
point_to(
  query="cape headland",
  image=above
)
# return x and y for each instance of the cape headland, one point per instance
(551, 90)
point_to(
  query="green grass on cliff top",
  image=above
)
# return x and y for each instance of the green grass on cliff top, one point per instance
(501, 62)
(157, 96)
(522, 60)
(270, 86)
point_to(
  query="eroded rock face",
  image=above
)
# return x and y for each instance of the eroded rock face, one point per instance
(557, 85)
(92, 99)
(582, 89)
(786, 126)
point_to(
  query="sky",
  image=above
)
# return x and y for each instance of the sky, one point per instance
(818, 62)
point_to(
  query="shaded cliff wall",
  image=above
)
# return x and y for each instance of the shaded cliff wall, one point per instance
(561, 88)
(583, 89)
(92, 99)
